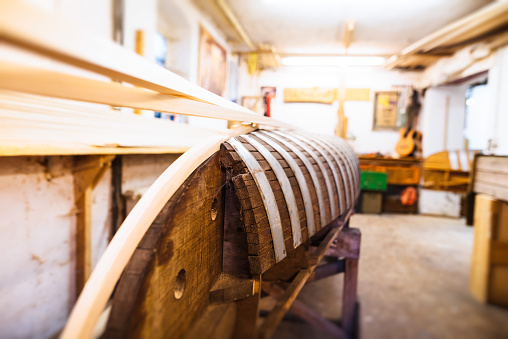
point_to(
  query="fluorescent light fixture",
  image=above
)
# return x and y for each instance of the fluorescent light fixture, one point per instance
(345, 60)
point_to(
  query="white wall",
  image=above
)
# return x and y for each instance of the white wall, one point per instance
(180, 21)
(38, 234)
(498, 113)
(37, 243)
(434, 119)
(140, 15)
(322, 118)
(94, 16)
(37, 239)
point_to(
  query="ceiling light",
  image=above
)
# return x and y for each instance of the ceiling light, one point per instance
(345, 60)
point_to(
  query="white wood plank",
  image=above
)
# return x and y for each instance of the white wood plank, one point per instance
(286, 187)
(343, 148)
(351, 179)
(312, 153)
(319, 192)
(304, 188)
(27, 79)
(317, 146)
(344, 174)
(272, 211)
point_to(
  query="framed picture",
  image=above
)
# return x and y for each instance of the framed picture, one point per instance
(254, 103)
(386, 110)
(212, 64)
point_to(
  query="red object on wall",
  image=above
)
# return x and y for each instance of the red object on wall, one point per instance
(268, 101)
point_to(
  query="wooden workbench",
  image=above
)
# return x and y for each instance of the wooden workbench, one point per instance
(401, 173)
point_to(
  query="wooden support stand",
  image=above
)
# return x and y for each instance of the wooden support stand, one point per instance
(88, 170)
(341, 243)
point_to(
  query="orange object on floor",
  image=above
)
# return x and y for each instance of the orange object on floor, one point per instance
(408, 196)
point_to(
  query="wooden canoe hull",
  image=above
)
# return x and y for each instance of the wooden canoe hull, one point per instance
(215, 239)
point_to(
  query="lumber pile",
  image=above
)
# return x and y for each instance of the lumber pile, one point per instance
(33, 125)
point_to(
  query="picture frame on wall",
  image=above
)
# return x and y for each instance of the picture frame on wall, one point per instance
(386, 110)
(254, 103)
(212, 64)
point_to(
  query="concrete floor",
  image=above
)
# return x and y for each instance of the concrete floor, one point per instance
(413, 283)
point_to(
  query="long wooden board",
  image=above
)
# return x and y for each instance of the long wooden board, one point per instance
(52, 36)
(33, 125)
(27, 79)
(473, 25)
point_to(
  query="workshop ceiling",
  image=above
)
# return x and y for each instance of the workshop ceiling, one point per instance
(318, 26)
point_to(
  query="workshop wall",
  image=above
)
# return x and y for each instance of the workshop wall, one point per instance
(322, 118)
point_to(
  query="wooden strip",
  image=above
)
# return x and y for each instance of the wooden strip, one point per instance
(496, 164)
(490, 178)
(28, 79)
(498, 192)
(104, 277)
(354, 166)
(306, 313)
(273, 319)
(285, 185)
(346, 173)
(267, 196)
(349, 296)
(321, 166)
(313, 175)
(19, 149)
(87, 172)
(304, 188)
(451, 31)
(314, 142)
(351, 158)
(352, 155)
(284, 303)
(52, 36)
(33, 125)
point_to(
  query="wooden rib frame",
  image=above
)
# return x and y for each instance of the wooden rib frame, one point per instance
(309, 213)
(266, 192)
(346, 173)
(347, 157)
(318, 147)
(313, 175)
(302, 144)
(285, 185)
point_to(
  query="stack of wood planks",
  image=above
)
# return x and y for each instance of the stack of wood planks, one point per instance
(489, 269)
(34, 125)
(487, 25)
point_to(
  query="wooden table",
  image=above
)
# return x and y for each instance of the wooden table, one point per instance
(401, 173)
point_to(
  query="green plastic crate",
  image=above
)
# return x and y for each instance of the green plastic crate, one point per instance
(373, 181)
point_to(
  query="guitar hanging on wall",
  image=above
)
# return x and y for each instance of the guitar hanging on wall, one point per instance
(410, 139)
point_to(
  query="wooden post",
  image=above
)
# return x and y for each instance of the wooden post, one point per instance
(87, 172)
(140, 49)
(305, 313)
(247, 312)
(349, 296)
(348, 246)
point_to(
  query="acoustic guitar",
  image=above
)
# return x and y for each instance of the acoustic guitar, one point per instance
(410, 138)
